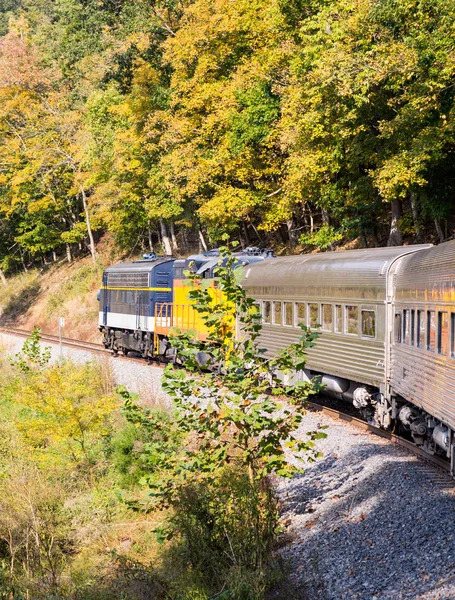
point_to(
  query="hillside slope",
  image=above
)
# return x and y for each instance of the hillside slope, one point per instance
(39, 298)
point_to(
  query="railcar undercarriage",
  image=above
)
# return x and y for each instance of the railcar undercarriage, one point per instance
(145, 343)
(397, 415)
(408, 420)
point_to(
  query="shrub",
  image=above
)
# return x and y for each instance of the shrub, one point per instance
(234, 431)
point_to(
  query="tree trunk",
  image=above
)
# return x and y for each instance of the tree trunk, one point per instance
(245, 234)
(202, 240)
(54, 256)
(439, 231)
(395, 237)
(291, 233)
(23, 262)
(69, 258)
(150, 237)
(165, 238)
(416, 219)
(184, 232)
(173, 238)
(2, 277)
(89, 228)
(257, 234)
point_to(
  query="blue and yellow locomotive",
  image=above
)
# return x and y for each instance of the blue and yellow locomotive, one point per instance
(141, 302)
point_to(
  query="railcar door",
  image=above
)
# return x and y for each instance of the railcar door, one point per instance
(141, 318)
(162, 281)
(105, 299)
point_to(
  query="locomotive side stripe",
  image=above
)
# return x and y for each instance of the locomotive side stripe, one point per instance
(140, 289)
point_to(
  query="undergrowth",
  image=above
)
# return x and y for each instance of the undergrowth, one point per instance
(64, 533)
(79, 282)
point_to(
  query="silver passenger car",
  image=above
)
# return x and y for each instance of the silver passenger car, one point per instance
(423, 348)
(347, 294)
(387, 323)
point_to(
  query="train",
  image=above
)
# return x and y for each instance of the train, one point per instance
(386, 318)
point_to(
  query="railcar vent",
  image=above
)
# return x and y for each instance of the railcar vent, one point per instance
(128, 280)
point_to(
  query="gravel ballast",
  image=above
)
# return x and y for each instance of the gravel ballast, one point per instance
(367, 521)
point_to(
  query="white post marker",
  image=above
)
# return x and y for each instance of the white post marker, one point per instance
(61, 325)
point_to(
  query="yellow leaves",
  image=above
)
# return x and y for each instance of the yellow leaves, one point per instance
(229, 203)
(66, 406)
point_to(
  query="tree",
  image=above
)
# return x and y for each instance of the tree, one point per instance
(230, 410)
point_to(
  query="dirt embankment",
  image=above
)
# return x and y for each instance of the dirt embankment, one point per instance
(40, 297)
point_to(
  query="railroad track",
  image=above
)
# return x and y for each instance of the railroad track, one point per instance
(54, 339)
(396, 439)
(313, 406)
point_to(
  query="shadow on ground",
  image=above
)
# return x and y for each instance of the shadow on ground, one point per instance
(373, 525)
(18, 305)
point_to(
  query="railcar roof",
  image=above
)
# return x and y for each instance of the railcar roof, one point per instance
(139, 266)
(428, 275)
(348, 274)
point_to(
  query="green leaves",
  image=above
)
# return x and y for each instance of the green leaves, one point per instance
(228, 406)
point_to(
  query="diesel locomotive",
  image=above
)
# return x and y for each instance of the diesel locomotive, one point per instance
(386, 318)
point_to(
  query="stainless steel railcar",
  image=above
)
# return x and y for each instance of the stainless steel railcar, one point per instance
(387, 322)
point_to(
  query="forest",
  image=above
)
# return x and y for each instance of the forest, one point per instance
(295, 124)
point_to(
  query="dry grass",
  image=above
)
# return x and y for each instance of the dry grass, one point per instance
(68, 290)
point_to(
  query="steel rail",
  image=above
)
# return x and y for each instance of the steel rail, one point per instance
(392, 437)
(54, 339)
(314, 406)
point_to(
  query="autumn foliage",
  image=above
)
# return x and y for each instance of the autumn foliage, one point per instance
(173, 122)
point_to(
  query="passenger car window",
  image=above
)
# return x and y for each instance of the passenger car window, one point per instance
(313, 314)
(277, 313)
(421, 328)
(368, 323)
(443, 333)
(431, 331)
(352, 319)
(266, 311)
(288, 314)
(338, 318)
(300, 313)
(327, 317)
(397, 328)
(413, 319)
(405, 337)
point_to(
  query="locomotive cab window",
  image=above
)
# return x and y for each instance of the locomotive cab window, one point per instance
(443, 333)
(277, 313)
(338, 318)
(313, 310)
(352, 320)
(288, 314)
(300, 313)
(327, 317)
(397, 328)
(266, 311)
(368, 323)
